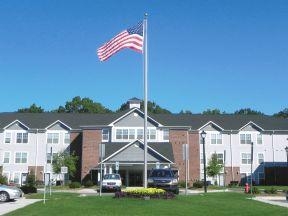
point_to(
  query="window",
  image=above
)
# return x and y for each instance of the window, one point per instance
(105, 135)
(151, 134)
(216, 138)
(220, 158)
(22, 138)
(246, 158)
(67, 138)
(245, 138)
(165, 134)
(8, 137)
(52, 138)
(125, 134)
(6, 158)
(49, 157)
(260, 158)
(20, 157)
(140, 133)
(119, 134)
(131, 134)
(259, 138)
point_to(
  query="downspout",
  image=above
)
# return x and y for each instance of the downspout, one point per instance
(36, 155)
(231, 156)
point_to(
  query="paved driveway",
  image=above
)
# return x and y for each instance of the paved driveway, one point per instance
(6, 207)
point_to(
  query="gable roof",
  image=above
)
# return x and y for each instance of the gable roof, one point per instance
(164, 149)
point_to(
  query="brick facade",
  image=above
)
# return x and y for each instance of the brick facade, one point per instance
(90, 153)
(178, 137)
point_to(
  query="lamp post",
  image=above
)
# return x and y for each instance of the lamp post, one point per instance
(286, 149)
(203, 135)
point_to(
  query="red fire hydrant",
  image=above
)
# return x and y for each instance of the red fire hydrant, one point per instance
(247, 188)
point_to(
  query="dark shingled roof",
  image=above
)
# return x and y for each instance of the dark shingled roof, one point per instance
(163, 148)
(195, 121)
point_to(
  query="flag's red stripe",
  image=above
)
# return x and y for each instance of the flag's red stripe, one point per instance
(134, 42)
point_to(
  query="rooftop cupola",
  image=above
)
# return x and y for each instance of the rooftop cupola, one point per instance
(134, 102)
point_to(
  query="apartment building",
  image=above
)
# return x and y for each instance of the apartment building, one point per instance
(28, 142)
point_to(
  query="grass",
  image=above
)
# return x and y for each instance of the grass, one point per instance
(228, 203)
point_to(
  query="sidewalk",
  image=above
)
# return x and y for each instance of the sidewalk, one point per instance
(273, 200)
(20, 203)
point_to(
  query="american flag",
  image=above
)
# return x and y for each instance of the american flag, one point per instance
(130, 38)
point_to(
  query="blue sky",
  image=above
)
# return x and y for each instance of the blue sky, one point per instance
(203, 54)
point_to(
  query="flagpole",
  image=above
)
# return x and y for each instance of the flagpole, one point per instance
(145, 68)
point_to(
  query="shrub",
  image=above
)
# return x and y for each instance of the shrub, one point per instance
(255, 190)
(198, 184)
(233, 184)
(88, 183)
(74, 185)
(3, 179)
(31, 180)
(145, 192)
(182, 184)
(28, 189)
(271, 191)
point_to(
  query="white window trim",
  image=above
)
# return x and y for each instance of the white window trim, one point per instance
(259, 158)
(53, 132)
(247, 133)
(114, 133)
(4, 157)
(22, 132)
(21, 157)
(216, 138)
(5, 136)
(249, 153)
(261, 139)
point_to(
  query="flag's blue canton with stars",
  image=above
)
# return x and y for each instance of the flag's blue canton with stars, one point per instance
(138, 29)
(131, 38)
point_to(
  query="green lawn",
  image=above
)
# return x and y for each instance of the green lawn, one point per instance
(228, 203)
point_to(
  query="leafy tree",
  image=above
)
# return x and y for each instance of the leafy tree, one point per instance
(248, 111)
(214, 167)
(3, 179)
(211, 112)
(282, 114)
(186, 112)
(65, 159)
(32, 109)
(82, 105)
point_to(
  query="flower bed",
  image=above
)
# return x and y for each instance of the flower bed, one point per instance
(145, 193)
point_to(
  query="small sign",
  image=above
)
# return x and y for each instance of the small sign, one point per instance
(185, 151)
(64, 170)
(117, 165)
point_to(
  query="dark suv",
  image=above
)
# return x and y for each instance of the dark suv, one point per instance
(164, 179)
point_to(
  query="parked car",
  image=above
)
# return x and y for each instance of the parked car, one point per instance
(111, 182)
(9, 193)
(164, 179)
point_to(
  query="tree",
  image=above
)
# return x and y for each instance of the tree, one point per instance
(32, 109)
(82, 105)
(185, 112)
(67, 160)
(248, 111)
(211, 112)
(282, 114)
(214, 167)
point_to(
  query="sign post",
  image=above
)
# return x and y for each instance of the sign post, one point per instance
(185, 150)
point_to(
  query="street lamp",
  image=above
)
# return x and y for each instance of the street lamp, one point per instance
(203, 135)
(286, 149)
